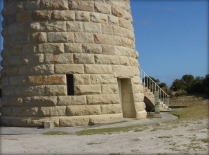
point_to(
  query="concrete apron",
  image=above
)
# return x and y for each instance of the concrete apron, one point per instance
(127, 122)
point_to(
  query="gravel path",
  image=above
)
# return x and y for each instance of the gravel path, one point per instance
(189, 137)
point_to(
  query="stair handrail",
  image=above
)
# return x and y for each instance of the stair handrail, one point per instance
(164, 97)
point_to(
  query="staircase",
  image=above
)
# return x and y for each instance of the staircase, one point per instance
(149, 88)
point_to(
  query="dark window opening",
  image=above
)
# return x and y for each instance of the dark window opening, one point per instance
(70, 84)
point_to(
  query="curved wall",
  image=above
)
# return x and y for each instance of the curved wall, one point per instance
(45, 41)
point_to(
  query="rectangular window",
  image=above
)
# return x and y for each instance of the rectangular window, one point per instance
(70, 84)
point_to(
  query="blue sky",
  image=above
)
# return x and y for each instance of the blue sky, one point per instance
(171, 37)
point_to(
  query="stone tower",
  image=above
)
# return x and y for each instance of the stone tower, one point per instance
(69, 61)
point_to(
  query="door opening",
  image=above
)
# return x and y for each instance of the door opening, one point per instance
(126, 98)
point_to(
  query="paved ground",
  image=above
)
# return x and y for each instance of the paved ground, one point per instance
(127, 122)
(158, 137)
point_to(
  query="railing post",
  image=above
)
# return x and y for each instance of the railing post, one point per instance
(157, 103)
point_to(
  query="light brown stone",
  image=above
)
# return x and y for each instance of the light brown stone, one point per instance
(73, 48)
(56, 90)
(92, 48)
(60, 37)
(71, 100)
(52, 111)
(69, 69)
(82, 16)
(40, 101)
(111, 109)
(63, 15)
(98, 18)
(47, 80)
(74, 26)
(54, 4)
(103, 79)
(103, 99)
(81, 79)
(81, 5)
(81, 110)
(87, 89)
(110, 89)
(102, 8)
(83, 58)
(98, 69)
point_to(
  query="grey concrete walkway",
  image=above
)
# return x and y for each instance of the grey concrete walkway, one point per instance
(127, 122)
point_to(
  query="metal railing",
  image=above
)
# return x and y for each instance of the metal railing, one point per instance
(148, 83)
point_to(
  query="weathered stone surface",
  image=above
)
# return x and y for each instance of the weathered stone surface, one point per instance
(12, 101)
(102, 8)
(92, 48)
(74, 26)
(73, 121)
(112, 20)
(141, 114)
(71, 100)
(107, 39)
(18, 80)
(110, 89)
(60, 37)
(41, 15)
(52, 111)
(87, 89)
(40, 101)
(56, 90)
(103, 79)
(91, 27)
(56, 26)
(117, 11)
(69, 69)
(81, 5)
(111, 109)
(81, 79)
(107, 29)
(54, 4)
(98, 69)
(98, 18)
(122, 71)
(81, 37)
(51, 48)
(25, 111)
(36, 70)
(122, 32)
(80, 110)
(140, 106)
(103, 59)
(103, 99)
(73, 48)
(64, 58)
(64, 15)
(139, 97)
(82, 16)
(47, 80)
(23, 16)
(83, 58)
(30, 91)
(39, 37)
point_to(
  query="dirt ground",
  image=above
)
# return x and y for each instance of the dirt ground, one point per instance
(188, 137)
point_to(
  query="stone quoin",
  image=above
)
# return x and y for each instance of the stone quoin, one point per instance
(72, 62)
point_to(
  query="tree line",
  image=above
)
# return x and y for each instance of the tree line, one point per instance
(188, 84)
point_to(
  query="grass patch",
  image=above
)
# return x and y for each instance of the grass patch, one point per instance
(197, 108)
(164, 137)
(205, 140)
(114, 154)
(111, 130)
(56, 133)
(92, 143)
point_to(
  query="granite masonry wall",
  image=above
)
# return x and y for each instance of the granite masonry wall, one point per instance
(47, 40)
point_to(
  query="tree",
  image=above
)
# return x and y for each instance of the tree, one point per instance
(178, 85)
(197, 85)
(187, 79)
(206, 84)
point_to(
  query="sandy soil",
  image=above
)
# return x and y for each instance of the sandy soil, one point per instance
(164, 138)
